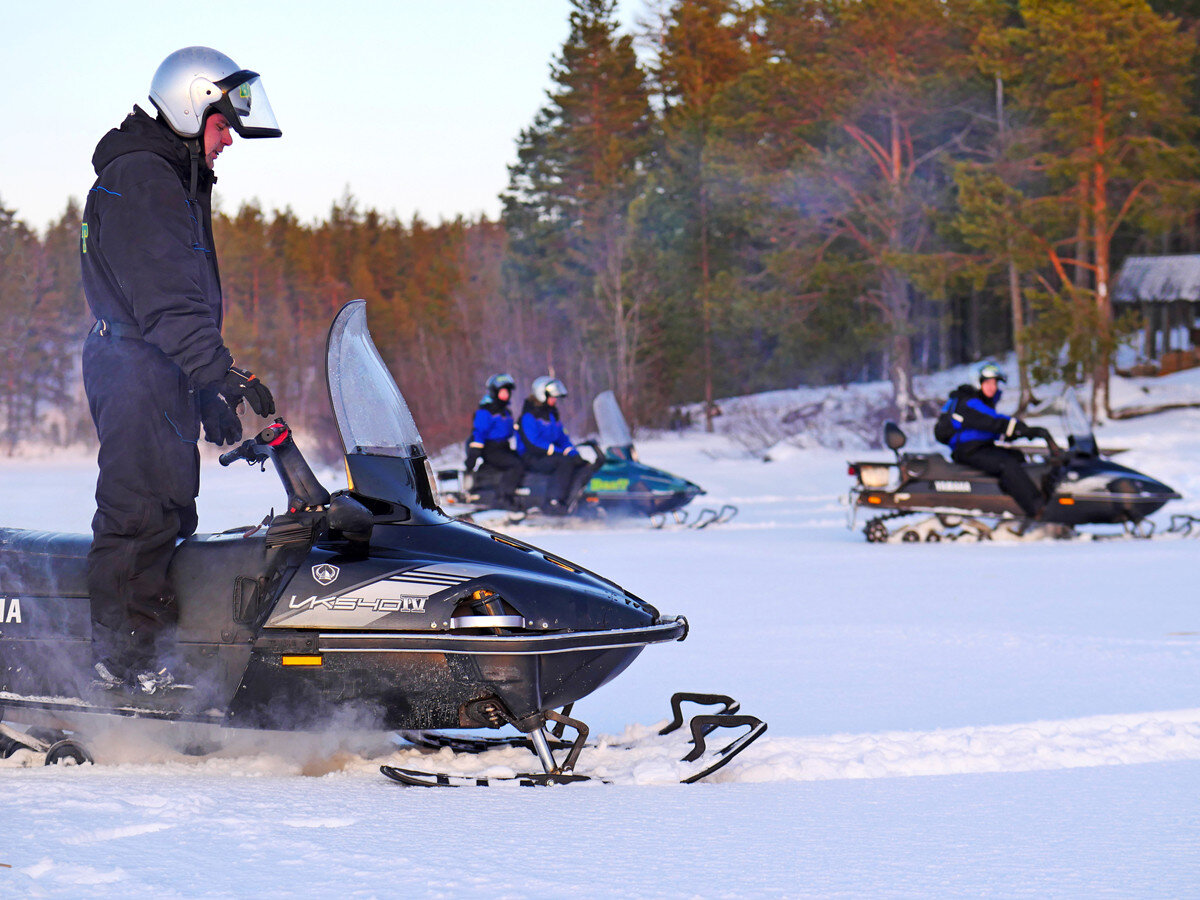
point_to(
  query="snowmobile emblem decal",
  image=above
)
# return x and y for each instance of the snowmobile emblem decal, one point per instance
(325, 573)
(953, 487)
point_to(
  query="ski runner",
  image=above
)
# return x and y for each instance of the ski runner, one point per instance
(154, 365)
(545, 447)
(974, 426)
(491, 429)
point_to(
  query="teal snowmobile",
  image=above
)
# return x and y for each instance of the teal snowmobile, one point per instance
(620, 484)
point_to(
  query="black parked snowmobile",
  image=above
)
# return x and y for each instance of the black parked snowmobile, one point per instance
(618, 484)
(367, 609)
(1081, 486)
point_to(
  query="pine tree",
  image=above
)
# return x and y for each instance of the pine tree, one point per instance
(1108, 82)
(580, 165)
(875, 99)
(703, 49)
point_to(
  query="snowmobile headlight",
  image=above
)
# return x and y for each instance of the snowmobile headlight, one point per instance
(874, 476)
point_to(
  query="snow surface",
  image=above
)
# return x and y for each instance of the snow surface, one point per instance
(1014, 719)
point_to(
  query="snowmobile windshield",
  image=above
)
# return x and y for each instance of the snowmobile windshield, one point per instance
(614, 430)
(1075, 421)
(370, 411)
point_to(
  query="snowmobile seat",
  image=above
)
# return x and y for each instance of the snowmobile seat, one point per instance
(935, 467)
(223, 584)
(43, 563)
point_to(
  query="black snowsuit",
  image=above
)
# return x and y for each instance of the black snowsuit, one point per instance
(980, 421)
(151, 280)
(495, 450)
(568, 471)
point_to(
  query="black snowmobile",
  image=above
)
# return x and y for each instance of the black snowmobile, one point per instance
(1082, 487)
(616, 484)
(367, 609)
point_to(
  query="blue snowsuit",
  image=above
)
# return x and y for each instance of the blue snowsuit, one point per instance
(491, 429)
(545, 447)
(977, 425)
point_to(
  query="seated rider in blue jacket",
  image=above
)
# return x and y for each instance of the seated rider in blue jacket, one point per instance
(545, 447)
(491, 429)
(976, 425)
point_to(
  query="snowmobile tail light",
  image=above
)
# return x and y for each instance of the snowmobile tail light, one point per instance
(1066, 501)
(871, 498)
(874, 476)
(309, 659)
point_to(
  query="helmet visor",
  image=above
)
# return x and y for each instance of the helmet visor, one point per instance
(244, 103)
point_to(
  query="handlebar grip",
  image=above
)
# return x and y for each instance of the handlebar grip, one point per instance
(238, 452)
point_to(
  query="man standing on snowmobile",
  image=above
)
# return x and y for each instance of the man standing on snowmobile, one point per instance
(545, 447)
(491, 429)
(154, 364)
(974, 426)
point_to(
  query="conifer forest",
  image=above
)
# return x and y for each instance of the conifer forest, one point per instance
(733, 196)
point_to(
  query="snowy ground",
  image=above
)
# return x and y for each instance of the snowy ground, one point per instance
(1007, 719)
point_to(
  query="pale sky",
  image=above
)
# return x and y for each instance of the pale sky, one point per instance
(413, 105)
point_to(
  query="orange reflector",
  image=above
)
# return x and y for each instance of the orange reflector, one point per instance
(312, 659)
(1067, 501)
(874, 499)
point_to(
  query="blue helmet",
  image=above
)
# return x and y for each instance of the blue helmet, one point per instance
(495, 384)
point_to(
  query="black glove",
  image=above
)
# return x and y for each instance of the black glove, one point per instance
(472, 457)
(239, 385)
(221, 424)
(1021, 430)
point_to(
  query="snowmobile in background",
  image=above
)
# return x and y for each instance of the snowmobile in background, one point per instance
(1081, 485)
(368, 609)
(619, 485)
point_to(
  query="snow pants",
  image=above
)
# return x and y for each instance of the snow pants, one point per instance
(146, 419)
(566, 473)
(499, 455)
(1008, 465)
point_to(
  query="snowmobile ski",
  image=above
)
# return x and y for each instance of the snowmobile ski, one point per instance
(413, 778)
(699, 726)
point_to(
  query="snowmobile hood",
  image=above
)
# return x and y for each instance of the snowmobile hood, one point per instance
(139, 132)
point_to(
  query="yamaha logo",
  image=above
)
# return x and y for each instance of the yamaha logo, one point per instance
(325, 573)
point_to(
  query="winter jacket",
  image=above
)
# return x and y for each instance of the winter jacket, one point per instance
(541, 432)
(148, 258)
(493, 421)
(975, 417)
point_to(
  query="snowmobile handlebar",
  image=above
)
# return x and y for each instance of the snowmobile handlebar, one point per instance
(275, 443)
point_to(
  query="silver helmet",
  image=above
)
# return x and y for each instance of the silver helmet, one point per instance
(544, 386)
(196, 80)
